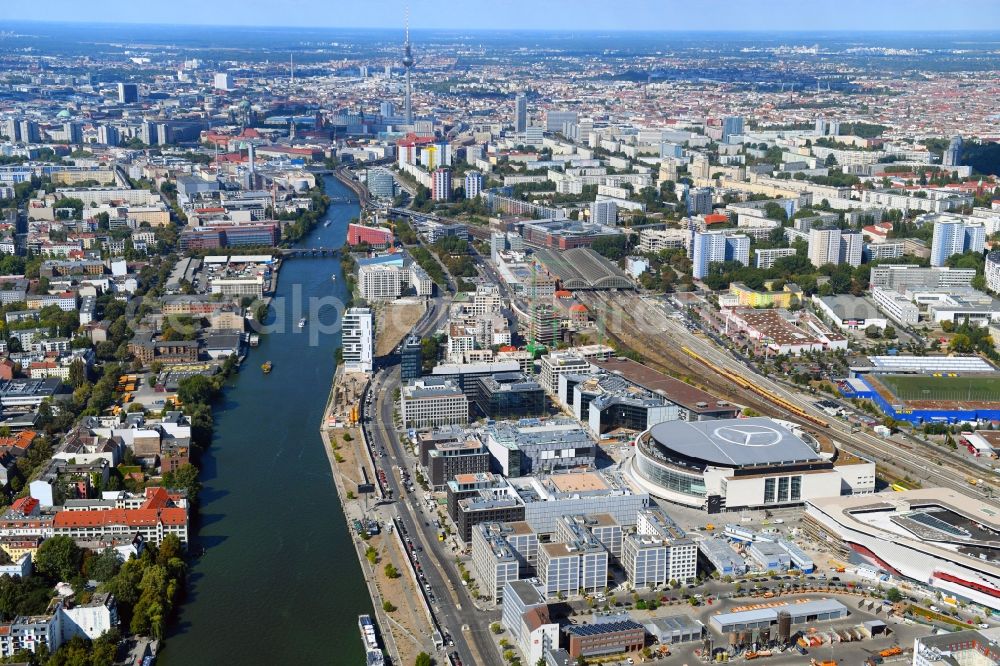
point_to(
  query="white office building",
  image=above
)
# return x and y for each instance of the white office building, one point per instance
(525, 616)
(682, 552)
(433, 401)
(559, 363)
(905, 277)
(899, 308)
(495, 562)
(644, 558)
(380, 282)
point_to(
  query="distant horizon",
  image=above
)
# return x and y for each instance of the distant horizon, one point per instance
(778, 16)
(512, 30)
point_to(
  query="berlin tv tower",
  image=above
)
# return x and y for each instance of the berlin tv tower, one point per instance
(408, 66)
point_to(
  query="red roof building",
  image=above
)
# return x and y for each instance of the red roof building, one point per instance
(27, 506)
(153, 524)
(17, 445)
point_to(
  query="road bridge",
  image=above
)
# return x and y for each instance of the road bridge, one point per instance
(308, 251)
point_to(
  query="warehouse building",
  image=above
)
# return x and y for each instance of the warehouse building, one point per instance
(806, 612)
(674, 629)
(720, 555)
(693, 404)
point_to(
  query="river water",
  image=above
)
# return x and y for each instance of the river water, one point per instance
(279, 582)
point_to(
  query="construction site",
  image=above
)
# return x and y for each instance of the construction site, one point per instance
(345, 398)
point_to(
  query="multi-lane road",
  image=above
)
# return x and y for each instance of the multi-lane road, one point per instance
(452, 605)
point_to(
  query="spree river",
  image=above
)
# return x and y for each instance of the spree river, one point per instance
(279, 581)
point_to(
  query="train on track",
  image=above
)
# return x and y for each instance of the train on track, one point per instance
(747, 384)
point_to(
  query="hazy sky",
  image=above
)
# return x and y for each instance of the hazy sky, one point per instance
(535, 14)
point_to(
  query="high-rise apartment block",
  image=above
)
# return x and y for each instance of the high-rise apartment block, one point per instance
(732, 126)
(358, 340)
(441, 184)
(473, 184)
(955, 236)
(831, 245)
(708, 247)
(604, 212)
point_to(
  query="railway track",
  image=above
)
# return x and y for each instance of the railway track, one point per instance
(679, 351)
(669, 357)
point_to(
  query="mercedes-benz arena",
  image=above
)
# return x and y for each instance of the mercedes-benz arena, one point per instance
(727, 464)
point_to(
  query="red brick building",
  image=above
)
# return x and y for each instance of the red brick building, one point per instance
(376, 237)
(605, 637)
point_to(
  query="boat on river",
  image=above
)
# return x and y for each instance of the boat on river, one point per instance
(373, 654)
(266, 367)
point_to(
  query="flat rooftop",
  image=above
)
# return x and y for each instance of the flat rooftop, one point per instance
(681, 393)
(557, 549)
(770, 612)
(578, 483)
(846, 306)
(918, 364)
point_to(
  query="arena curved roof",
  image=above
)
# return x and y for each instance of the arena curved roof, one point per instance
(734, 442)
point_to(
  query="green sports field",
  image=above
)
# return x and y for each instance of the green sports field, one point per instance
(944, 388)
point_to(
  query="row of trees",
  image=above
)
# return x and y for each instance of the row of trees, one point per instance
(303, 222)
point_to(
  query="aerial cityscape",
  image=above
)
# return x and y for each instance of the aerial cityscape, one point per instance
(499, 334)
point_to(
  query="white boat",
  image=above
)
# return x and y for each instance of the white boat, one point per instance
(333, 277)
(373, 655)
(302, 322)
(326, 224)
